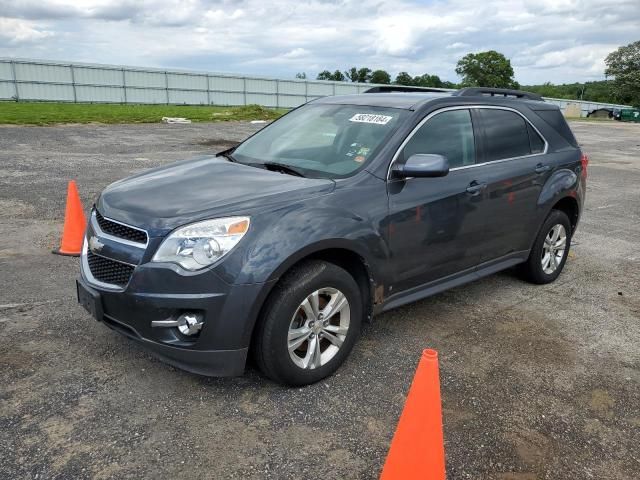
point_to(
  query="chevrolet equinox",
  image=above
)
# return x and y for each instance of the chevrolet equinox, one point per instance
(345, 207)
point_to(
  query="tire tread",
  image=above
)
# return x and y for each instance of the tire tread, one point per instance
(298, 278)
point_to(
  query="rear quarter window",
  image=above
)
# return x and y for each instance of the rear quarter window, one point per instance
(556, 121)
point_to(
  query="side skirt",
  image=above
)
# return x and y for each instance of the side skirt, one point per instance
(452, 281)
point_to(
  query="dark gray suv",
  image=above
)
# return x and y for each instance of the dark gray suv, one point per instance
(344, 208)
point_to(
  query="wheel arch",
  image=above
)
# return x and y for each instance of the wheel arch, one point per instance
(560, 192)
(341, 253)
(569, 205)
(333, 252)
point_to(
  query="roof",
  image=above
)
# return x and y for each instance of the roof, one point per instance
(392, 100)
(412, 100)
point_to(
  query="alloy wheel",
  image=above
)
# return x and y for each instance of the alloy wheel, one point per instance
(553, 249)
(318, 328)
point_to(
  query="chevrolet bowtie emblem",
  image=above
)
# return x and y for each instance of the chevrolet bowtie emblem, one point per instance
(95, 245)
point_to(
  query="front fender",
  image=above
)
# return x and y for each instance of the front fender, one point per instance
(292, 234)
(296, 234)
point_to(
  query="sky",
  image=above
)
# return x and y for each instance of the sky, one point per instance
(546, 40)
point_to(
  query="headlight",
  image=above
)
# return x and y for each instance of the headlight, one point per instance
(200, 244)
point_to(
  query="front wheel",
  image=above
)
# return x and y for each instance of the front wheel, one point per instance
(550, 250)
(311, 322)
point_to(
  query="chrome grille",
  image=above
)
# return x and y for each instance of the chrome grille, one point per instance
(121, 231)
(109, 271)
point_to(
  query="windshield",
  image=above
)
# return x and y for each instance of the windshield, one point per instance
(329, 141)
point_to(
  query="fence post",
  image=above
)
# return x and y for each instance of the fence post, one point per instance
(12, 64)
(277, 93)
(208, 90)
(124, 86)
(166, 86)
(244, 89)
(73, 84)
(306, 91)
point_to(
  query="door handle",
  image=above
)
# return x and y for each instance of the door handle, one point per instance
(475, 188)
(540, 168)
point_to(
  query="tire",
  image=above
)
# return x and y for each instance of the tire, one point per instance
(534, 270)
(289, 317)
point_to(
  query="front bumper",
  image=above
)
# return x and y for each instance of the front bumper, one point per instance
(229, 315)
(127, 292)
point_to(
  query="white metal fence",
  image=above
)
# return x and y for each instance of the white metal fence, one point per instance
(40, 80)
(81, 82)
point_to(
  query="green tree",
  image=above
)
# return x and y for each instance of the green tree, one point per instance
(338, 76)
(597, 91)
(351, 74)
(324, 75)
(301, 75)
(486, 69)
(624, 66)
(380, 76)
(427, 80)
(403, 78)
(364, 75)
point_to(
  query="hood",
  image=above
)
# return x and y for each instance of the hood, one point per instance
(207, 187)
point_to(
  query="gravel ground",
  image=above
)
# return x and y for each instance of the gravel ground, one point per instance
(537, 382)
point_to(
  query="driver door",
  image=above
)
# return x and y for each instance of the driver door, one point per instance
(435, 224)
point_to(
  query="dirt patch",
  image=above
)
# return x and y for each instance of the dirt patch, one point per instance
(218, 142)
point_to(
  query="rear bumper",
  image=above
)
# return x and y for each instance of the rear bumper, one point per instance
(229, 316)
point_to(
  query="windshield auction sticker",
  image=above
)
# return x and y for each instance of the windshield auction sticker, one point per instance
(370, 118)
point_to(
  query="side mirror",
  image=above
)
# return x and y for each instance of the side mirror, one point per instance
(422, 165)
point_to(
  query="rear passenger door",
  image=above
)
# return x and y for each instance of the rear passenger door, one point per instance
(513, 164)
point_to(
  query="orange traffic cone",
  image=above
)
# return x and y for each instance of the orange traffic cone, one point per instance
(74, 224)
(417, 448)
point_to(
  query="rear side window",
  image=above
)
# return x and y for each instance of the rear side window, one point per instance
(448, 133)
(555, 119)
(506, 134)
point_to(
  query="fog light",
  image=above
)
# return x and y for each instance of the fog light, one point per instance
(190, 323)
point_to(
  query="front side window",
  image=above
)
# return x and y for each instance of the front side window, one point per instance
(506, 134)
(449, 134)
(325, 141)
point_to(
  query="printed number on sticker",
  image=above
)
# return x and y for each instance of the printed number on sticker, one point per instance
(370, 118)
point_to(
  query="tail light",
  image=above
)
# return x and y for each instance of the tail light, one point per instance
(584, 161)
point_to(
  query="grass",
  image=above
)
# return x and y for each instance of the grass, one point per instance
(56, 113)
(590, 119)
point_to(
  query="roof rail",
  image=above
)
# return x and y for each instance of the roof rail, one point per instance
(402, 88)
(497, 92)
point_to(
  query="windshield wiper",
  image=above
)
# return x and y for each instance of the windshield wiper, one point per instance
(281, 167)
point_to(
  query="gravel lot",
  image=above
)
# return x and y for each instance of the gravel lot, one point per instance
(537, 382)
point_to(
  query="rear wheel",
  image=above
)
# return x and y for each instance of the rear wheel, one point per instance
(550, 249)
(311, 322)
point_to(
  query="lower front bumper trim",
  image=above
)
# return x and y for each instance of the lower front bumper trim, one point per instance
(210, 363)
